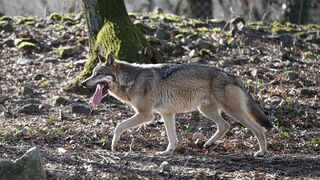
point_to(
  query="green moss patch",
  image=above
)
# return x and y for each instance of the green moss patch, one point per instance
(64, 52)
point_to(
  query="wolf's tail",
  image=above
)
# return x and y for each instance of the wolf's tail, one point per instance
(256, 114)
(237, 103)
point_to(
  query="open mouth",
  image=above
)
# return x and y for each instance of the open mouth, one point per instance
(98, 94)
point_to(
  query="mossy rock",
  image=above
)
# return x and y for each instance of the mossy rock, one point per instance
(217, 23)
(55, 17)
(66, 18)
(64, 52)
(39, 25)
(6, 26)
(313, 38)
(5, 18)
(57, 27)
(312, 27)
(70, 23)
(30, 21)
(179, 36)
(260, 26)
(142, 27)
(27, 46)
(203, 29)
(134, 15)
(204, 52)
(18, 41)
(216, 30)
(194, 36)
(278, 28)
(198, 23)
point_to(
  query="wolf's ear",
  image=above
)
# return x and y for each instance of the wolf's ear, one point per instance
(110, 60)
(101, 58)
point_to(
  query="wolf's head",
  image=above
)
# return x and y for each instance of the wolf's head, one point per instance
(102, 73)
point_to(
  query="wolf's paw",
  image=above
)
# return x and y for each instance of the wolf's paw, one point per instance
(260, 154)
(164, 153)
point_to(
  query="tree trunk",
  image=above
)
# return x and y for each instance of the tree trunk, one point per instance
(110, 28)
(200, 8)
(298, 11)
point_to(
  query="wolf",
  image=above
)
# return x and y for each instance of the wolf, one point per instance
(169, 89)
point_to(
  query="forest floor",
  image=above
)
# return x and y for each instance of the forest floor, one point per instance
(278, 63)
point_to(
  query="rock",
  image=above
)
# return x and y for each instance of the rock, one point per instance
(306, 92)
(291, 75)
(97, 122)
(198, 60)
(275, 101)
(27, 90)
(9, 42)
(162, 34)
(177, 52)
(158, 10)
(50, 60)
(164, 166)
(29, 109)
(28, 167)
(154, 40)
(192, 53)
(27, 59)
(81, 109)
(286, 39)
(39, 77)
(202, 44)
(58, 101)
(215, 23)
(167, 49)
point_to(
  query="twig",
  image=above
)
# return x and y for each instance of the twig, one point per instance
(145, 168)
(60, 170)
(185, 164)
(108, 160)
(130, 147)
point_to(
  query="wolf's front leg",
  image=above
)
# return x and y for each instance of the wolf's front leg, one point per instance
(170, 125)
(136, 120)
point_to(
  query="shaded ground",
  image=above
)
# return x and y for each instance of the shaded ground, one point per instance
(278, 63)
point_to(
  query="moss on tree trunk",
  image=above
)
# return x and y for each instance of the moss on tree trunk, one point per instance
(110, 27)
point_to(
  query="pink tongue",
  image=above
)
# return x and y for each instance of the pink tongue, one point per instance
(97, 96)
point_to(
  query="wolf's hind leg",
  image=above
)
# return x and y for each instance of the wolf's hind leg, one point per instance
(170, 125)
(135, 120)
(212, 112)
(257, 130)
